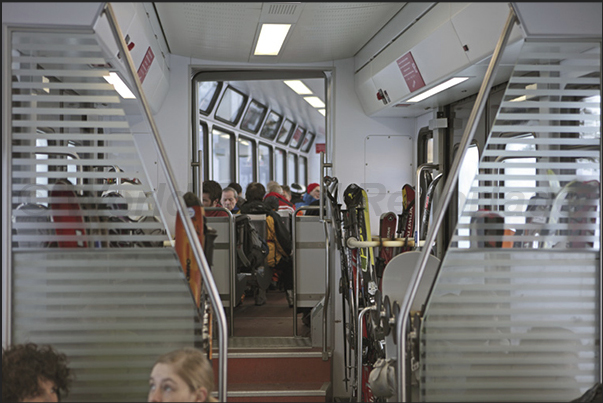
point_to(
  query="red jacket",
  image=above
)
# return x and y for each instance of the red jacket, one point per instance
(283, 203)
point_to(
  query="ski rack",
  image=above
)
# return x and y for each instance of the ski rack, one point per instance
(418, 205)
(354, 243)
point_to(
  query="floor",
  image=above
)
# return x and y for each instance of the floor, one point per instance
(273, 319)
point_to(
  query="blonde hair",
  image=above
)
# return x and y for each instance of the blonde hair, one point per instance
(193, 367)
(274, 186)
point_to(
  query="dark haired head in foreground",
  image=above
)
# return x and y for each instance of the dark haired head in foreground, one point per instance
(34, 373)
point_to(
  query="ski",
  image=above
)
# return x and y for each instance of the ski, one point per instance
(428, 204)
(387, 230)
(406, 220)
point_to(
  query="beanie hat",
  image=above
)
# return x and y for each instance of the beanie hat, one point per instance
(312, 186)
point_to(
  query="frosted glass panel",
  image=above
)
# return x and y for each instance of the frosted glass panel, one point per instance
(514, 314)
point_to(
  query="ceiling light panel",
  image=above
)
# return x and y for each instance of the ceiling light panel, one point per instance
(438, 88)
(315, 102)
(298, 86)
(271, 39)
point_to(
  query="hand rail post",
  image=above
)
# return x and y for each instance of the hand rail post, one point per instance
(449, 186)
(180, 206)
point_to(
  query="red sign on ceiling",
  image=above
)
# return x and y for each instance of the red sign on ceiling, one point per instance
(410, 72)
(145, 65)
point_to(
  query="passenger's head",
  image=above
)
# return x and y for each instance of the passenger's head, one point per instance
(273, 186)
(236, 187)
(314, 190)
(32, 373)
(298, 189)
(183, 375)
(229, 198)
(255, 191)
(287, 192)
(212, 192)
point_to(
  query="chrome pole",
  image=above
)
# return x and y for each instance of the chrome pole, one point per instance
(180, 205)
(449, 186)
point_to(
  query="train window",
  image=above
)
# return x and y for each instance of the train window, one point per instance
(291, 168)
(246, 149)
(231, 106)
(279, 165)
(271, 126)
(207, 92)
(302, 171)
(297, 138)
(467, 172)
(285, 133)
(222, 162)
(265, 163)
(307, 143)
(253, 117)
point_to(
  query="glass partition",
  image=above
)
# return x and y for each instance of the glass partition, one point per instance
(279, 165)
(253, 117)
(265, 163)
(231, 106)
(271, 126)
(298, 135)
(246, 149)
(285, 133)
(222, 156)
(207, 92)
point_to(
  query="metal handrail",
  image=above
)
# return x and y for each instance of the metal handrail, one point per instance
(180, 205)
(451, 181)
(232, 256)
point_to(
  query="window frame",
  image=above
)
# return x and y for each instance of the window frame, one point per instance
(271, 158)
(241, 108)
(284, 170)
(278, 126)
(288, 137)
(301, 138)
(214, 99)
(309, 134)
(233, 156)
(254, 157)
(294, 179)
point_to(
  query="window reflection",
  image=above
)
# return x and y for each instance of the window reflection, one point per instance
(273, 122)
(253, 117)
(297, 137)
(246, 161)
(285, 133)
(222, 150)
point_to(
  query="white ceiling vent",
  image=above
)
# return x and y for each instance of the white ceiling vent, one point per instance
(282, 9)
(280, 13)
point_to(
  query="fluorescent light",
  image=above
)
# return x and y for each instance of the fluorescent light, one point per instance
(438, 88)
(271, 39)
(315, 102)
(322, 111)
(299, 87)
(119, 86)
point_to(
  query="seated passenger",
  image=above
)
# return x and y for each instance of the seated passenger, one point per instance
(310, 198)
(297, 192)
(239, 189)
(32, 373)
(287, 193)
(183, 375)
(212, 193)
(229, 200)
(276, 191)
(277, 236)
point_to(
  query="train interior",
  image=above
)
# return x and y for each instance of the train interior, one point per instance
(453, 253)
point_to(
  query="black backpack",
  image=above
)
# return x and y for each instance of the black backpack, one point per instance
(252, 250)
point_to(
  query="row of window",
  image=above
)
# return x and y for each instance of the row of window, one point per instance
(242, 141)
(232, 103)
(244, 159)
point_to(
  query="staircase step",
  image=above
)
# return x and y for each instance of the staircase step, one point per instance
(279, 392)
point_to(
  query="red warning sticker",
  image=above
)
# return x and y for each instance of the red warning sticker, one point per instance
(410, 72)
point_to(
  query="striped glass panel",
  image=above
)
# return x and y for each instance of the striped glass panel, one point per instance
(90, 274)
(515, 312)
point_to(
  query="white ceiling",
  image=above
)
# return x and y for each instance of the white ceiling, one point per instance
(227, 31)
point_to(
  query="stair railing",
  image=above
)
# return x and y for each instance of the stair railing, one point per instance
(180, 206)
(448, 189)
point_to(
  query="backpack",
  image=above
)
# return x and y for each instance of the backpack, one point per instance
(252, 250)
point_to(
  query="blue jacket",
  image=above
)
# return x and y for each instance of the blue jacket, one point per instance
(306, 200)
